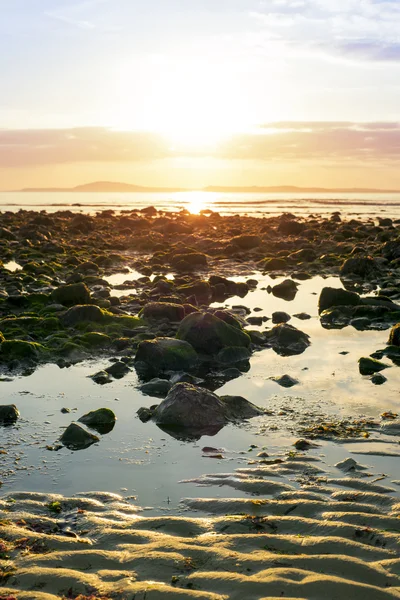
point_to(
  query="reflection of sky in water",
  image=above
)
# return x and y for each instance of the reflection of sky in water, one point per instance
(146, 461)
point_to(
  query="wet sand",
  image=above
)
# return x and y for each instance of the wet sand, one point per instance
(336, 537)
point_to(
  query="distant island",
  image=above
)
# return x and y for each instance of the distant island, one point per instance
(116, 187)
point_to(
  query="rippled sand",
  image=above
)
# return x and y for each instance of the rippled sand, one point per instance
(315, 536)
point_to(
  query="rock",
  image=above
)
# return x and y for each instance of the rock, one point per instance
(209, 334)
(394, 337)
(255, 320)
(81, 314)
(76, 437)
(65, 411)
(167, 354)
(290, 226)
(192, 407)
(71, 295)
(145, 414)
(280, 317)
(188, 261)
(9, 414)
(287, 340)
(286, 290)
(273, 264)
(286, 381)
(369, 366)
(233, 354)
(330, 297)
(359, 266)
(246, 241)
(118, 370)
(101, 377)
(303, 444)
(378, 379)
(346, 465)
(20, 350)
(156, 387)
(163, 310)
(303, 255)
(102, 420)
(302, 316)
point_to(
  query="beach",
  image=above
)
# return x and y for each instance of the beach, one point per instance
(285, 328)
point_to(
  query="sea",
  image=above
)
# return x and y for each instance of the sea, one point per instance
(350, 205)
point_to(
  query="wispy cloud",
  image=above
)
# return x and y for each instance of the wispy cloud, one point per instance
(352, 29)
(285, 141)
(74, 14)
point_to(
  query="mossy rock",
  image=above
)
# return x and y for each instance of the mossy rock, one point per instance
(94, 339)
(102, 420)
(21, 350)
(369, 366)
(2, 338)
(233, 354)
(166, 354)
(209, 334)
(81, 314)
(163, 310)
(71, 294)
(36, 326)
(76, 437)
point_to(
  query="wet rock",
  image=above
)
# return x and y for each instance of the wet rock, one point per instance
(303, 444)
(286, 290)
(394, 337)
(233, 354)
(302, 316)
(71, 295)
(101, 377)
(303, 255)
(378, 379)
(167, 354)
(118, 370)
(76, 437)
(188, 261)
(255, 320)
(102, 420)
(9, 414)
(156, 387)
(331, 297)
(280, 317)
(346, 465)
(369, 366)
(81, 314)
(191, 407)
(145, 414)
(286, 381)
(359, 266)
(20, 350)
(65, 411)
(163, 310)
(209, 334)
(246, 241)
(231, 373)
(287, 340)
(273, 264)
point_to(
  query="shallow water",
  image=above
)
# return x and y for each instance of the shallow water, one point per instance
(253, 204)
(141, 460)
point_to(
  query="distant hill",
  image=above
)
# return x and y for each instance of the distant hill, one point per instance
(116, 187)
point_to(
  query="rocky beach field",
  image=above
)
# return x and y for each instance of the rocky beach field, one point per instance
(256, 365)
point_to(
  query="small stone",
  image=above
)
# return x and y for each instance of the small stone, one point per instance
(378, 379)
(9, 414)
(76, 437)
(286, 381)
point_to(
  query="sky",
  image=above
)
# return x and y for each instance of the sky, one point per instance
(200, 92)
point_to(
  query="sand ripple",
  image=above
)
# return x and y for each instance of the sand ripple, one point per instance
(331, 538)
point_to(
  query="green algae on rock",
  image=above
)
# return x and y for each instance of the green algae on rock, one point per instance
(209, 334)
(369, 366)
(167, 354)
(72, 294)
(21, 350)
(76, 437)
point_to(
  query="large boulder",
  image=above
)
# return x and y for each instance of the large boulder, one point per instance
(75, 437)
(191, 407)
(71, 295)
(9, 413)
(337, 297)
(209, 334)
(158, 311)
(81, 314)
(166, 354)
(287, 340)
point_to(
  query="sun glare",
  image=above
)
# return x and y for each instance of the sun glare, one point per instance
(193, 105)
(195, 202)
